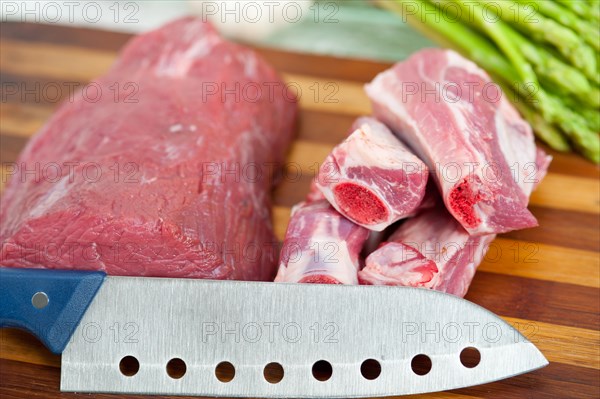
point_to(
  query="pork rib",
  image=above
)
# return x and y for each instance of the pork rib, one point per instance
(430, 250)
(481, 152)
(171, 199)
(371, 177)
(320, 246)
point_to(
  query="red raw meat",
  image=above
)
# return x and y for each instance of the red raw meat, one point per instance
(430, 250)
(371, 177)
(321, 246)
(181, 202)
(481, 152)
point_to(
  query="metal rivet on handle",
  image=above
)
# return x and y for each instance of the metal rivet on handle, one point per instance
(39, 300)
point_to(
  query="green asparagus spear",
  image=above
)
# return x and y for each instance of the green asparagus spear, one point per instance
(496, 31)
(546, 30)
(594, 15)
(573, 124)
(471, 44)
(591, 115)
(545, 131)
(581, 8)
(588, 32)
(521, 52)
(568, 78)
(591, 101)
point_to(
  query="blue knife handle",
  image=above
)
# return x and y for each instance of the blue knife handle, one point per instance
(61, 299)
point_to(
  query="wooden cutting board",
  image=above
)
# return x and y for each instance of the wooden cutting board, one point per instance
(544, 280)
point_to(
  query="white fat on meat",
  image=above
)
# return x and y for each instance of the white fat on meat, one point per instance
(371, 177)
(430, 250)
(320, 246)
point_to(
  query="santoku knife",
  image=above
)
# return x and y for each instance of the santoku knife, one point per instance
(99, 322)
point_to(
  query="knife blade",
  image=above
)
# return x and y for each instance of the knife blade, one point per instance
(99, 321)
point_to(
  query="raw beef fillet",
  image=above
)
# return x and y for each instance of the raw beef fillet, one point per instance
(175, 196)
(371, 177)
(320, 246)
(431, 250)
(481, 152)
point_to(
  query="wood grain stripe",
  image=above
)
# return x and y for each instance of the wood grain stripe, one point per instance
(23, 120)
(543, 262)
(537, 300)
(24, 347)
(73, 65)
(568, 192)
(64, 35)
(563, 228)
(293, 62)
(49, 61)
(571, 164)
(33, 90)
(567, 345)
(554, 381)
(10, 147)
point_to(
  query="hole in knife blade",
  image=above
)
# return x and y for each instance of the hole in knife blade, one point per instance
(225, 371)
(370, 369)
(39, 300)
(322, 370)
(273, 373)
(176, 368)
(129, 366)
(470, 357)
(421, 364)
